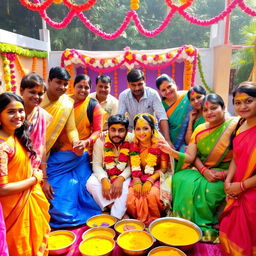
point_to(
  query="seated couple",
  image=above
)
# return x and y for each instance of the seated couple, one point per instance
(147, 195)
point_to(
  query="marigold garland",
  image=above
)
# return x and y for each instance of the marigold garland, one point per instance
(151, 161)
(71, 71)
(45, 70)
(20, 67)
(7, 73)
(34, 63)
(115, 167)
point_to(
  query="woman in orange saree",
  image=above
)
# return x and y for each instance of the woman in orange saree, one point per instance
(238, 222)
(25, 207)
(146, 199)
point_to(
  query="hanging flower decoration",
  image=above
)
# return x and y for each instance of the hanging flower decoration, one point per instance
(115, 167)
(130, 58)
(178, 6)
(7, 73)
(134, 4)
(10, 55)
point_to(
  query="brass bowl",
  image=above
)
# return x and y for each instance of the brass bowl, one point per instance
(99, 246)
(134, 239)
(170, 231)
(166, 251)
(101, 220)
(99, 231)
(137, 224)
(60, 235)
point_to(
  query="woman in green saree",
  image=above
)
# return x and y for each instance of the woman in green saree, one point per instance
(177, 107)
(199, 192)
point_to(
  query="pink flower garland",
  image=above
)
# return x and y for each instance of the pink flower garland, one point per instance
(76, 10)
(73, 52)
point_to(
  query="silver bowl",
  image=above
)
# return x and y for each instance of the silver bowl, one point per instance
(135, 233)
(98, 219)
(129, 222)
(187, 223)
(98, 231)
(165, 249)
(97, 237)
(65, 249)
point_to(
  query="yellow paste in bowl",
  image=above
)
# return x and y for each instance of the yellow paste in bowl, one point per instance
(166, 252)
(99, 232)
(96, 246)
(175, 233)
(128, 225)
(134, 240)
(58, 241)
(99, 221)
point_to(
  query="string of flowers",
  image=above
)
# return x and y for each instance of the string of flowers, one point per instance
(130, 58)
(19, 66)
(77, 10)
(7, 73)
(134, 4)
(34, 63)
(187, 75)
(200, 69)
(115, 167)
(151, 162)
(71, 71)
(45, 70)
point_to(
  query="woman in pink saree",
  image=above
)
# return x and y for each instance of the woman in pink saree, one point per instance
(32, 89)
(238, 221)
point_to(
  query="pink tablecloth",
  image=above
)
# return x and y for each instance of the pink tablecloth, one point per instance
(201, 249)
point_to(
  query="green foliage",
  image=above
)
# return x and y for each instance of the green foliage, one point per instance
(108, 14)
(243, 59)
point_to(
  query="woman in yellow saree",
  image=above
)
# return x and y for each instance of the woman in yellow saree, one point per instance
(25, 207)
(199, 192)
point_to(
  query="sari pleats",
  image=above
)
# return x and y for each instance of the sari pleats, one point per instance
(238, 222)
(26, 213)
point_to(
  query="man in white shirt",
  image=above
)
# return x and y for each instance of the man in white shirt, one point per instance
(139, 98)
(102, 93)
(111, 171)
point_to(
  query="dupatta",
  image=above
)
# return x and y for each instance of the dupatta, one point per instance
(178, 116)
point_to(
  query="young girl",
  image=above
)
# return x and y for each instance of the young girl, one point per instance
(25, 207)
(238, 223)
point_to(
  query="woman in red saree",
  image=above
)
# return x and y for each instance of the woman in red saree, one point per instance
(238, 221)
(25, 207)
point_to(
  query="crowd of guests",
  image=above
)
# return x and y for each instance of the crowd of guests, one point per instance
(65, 158)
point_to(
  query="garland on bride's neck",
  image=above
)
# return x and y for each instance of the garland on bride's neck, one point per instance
(115, 167)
